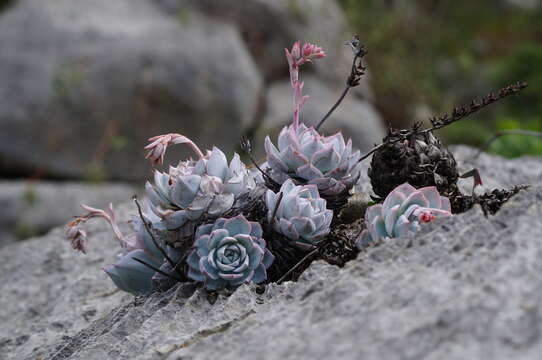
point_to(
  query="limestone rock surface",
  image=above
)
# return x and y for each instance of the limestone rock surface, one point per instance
(465, 287)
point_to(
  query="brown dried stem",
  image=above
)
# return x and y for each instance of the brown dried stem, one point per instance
(356, 72)
(458, 113)
(298, 264)
(273, 218)
(466, 110)
(246, 146)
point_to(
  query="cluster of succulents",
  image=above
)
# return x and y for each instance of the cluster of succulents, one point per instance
(199, 226)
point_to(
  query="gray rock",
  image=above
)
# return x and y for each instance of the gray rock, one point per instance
(270, 26)
(85, 83)
(496, 173)
(356, 118)
(34, 208)
(48, 292)
(465, 287)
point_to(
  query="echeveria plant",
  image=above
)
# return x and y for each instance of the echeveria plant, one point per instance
(305, 155)
(402, 213)
(206, 187)
(301, 214)
(229, 252)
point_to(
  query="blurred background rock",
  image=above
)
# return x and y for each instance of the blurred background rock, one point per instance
(83, 84)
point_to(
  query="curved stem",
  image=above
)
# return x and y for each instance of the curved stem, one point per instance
(345, 91)
(273, 217)
(279, 281)
(356, 71)
(462, 112)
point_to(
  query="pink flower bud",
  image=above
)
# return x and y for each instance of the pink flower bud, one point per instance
(77, 236)
(312, 51)
(159, 144)
(296, 50)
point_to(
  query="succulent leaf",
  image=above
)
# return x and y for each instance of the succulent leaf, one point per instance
(132, 276)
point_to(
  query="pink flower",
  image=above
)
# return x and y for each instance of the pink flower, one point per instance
(300, 55)
(311, 51)
(157, 147)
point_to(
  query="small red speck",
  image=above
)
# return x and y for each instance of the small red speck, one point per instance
(427, 217)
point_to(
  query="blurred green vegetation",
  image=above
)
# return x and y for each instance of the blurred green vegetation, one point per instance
(24, 231)
(5, 3)
(95, 173)
(435, 54)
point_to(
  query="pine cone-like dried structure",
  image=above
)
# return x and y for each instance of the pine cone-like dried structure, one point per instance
(414, 157)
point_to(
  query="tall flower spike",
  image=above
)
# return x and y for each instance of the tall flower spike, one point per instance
(157, 147)
(303, 154)
(297, 57)
(109, 215)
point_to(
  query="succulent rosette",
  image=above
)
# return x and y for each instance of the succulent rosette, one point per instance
(309, 157)
(229, 252)
(402, 213)
(301, 215)
(207, 187)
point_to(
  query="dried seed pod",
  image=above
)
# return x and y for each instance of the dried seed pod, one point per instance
(420, 159)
